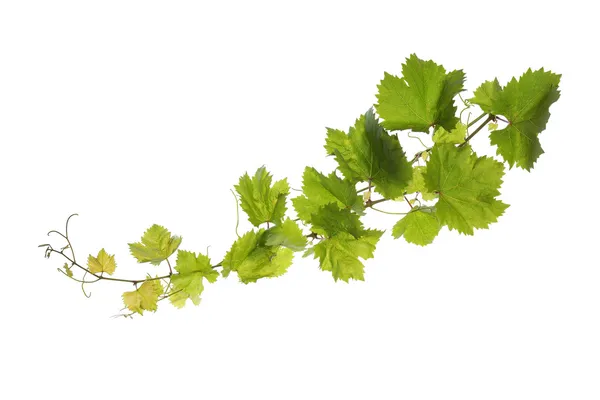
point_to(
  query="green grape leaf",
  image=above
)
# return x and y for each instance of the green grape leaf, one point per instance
(467, 186)
(420, 226)
(340, 254)
(329, 220)
(288, 234)
(261, 201)
(178, 297)
(455, 136)
(345, 241)
(252, 259)
(486, 95)
(417, 184)
(156, 246)
(188, 283)
(188, 263)
(492, 126)
(525, 103)
(319, 190)
(143, 298)
(422, 98)
(104, 262)
(369, 153)
(517, 146)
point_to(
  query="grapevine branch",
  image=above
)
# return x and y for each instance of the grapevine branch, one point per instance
(99, 277)
(480, 127)
(331, 206)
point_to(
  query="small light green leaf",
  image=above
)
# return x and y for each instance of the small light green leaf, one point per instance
(492, 126)
(188, 283)
(189, 263)
(102, 263)
(366, 195)
(261, 201)
(68, 270)
(486, 95)
(417, 185)
(420, 226)
(143, 298)
(288, 234)
(156, 246)
(455, 136)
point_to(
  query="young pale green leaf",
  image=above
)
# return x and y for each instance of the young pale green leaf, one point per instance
(68, 271)
(421, 99)
(369, 153)
(104, 262)
(525, 103)
(189, 263)
(420, 226)
(417, 185)
(252, 259)
(467, 186)
(261, 201)
(455, 136)
(485, 96)
(188, 283)
(143, 298)
(319, 190)
(288, 234)
(340, 254)
(156, 246)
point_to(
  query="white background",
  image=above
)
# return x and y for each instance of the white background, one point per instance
(139, 112)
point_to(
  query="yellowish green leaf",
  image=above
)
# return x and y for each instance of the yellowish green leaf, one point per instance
(104, 262)
(156, 246)
(143, 298)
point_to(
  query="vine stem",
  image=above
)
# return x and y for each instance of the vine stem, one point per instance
(107, 278)
(237, 213)
(418, 138)
(480, 127)
(470, 124)
(371, 203)
(387, 212)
